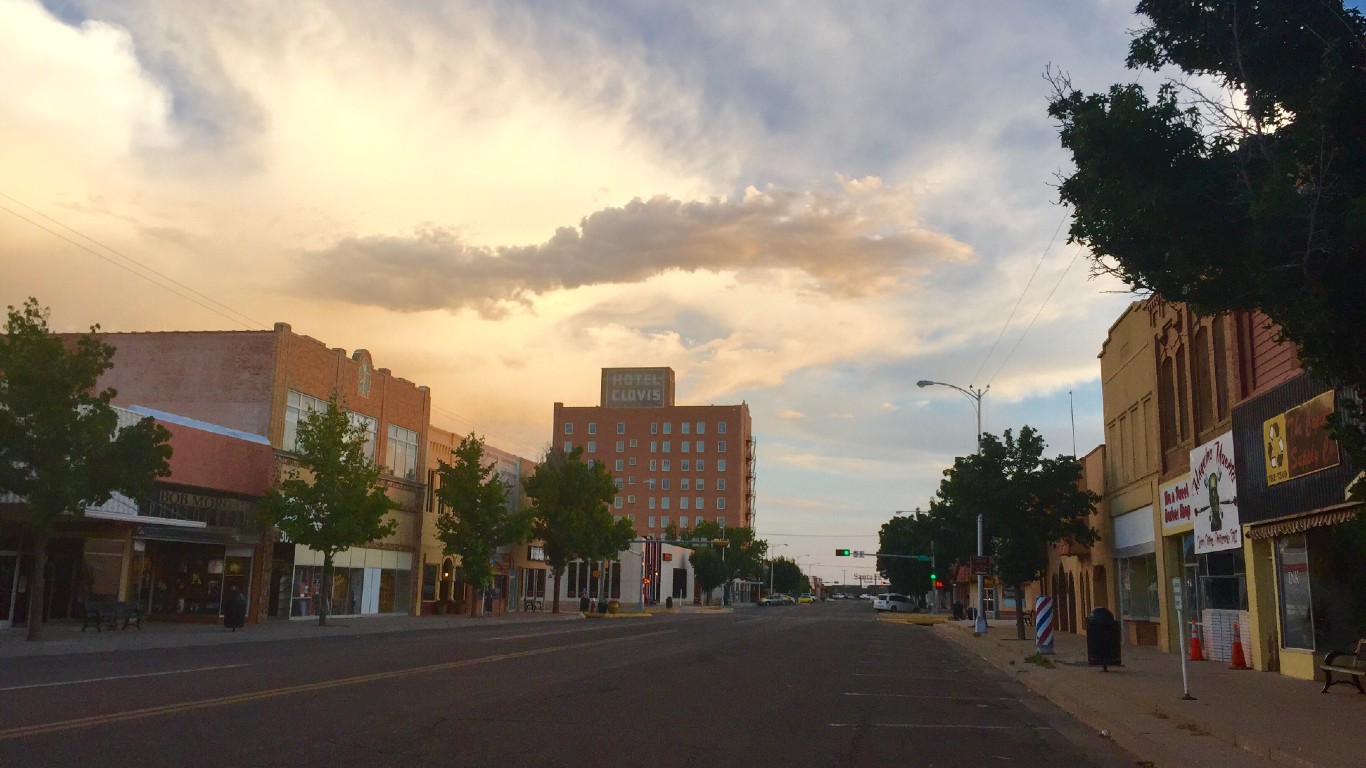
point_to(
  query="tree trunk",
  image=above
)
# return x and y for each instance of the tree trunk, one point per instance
(325, 591)
(1019, 612)
(36, 584)
(555, 601)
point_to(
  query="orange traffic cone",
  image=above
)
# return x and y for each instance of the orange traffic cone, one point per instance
(1238, 661)
(1197, 653)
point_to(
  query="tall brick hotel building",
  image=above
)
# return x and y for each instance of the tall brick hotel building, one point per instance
(679, 464)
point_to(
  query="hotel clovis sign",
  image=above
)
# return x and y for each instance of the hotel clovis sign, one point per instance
(1214, 496)
(1296, 442)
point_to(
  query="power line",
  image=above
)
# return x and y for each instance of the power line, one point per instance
(238, 320)
(1020, 300)
(1036, 314)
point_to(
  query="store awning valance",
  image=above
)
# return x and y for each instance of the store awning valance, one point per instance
(1301, 523)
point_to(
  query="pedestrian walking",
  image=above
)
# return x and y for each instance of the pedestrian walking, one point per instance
(235, 610)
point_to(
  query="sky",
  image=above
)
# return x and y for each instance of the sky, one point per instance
(806, 206)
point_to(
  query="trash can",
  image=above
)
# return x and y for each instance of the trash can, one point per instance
(585, 604)
(1102, 639)
(669, 603)
(602, 606)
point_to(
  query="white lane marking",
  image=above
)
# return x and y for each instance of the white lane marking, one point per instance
(545, 634)
(122, 677)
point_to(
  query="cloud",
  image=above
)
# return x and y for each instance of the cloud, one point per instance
(791, 415)
(857, 241)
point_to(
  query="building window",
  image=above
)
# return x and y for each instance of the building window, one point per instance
(701, 465)
(698, 521)
(652, 502)
(684, 484)
(654, 465)
(569, 427)
(634, 442)
(664, 521)
(667, 447)
(363, 379)
(721, 521)
(665, 465)
(617, 502)
(631, 461)
(592, 427)
(654, 447)
(650, 483)
(654, 427)
(401, 452)
(664, 502)
(720, 427)
(720, 502)
(630, 498)
(621, 446)
(720, 465)
(686, 465)
(701, 484)
(682, 502)
(1138, 587)
(592, 446)
(621, 427)
(631, 480)
(620, 465)
(664, 484)
(700, 446)
(683, 428)
(720, 483)
(701, 427)
(697, 503)
(668, 427)
(651, 520)
(569, 446)
(720, 446)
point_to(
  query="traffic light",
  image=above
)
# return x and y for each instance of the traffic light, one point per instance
(932, 576)
(720, 543)
(841, 553)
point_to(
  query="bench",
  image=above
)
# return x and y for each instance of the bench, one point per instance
(108, 613)
(1352, 666)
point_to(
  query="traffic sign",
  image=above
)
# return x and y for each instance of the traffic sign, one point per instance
(981, 565)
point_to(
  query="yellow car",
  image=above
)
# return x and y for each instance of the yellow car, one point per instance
(806, 597)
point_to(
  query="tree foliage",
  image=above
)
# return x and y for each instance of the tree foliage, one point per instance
(911, 536)
(61, 449)
(474, 519)
(569, 512)
(1253, 198)
(331, 501)
(742, 556)
(787, 576)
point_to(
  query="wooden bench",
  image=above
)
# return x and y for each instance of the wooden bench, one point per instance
(108, 613)
(1352, 666)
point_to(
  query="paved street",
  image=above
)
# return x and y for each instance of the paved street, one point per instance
(824, 685)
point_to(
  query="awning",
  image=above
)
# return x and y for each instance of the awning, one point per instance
(220, 536)
(1340, 513)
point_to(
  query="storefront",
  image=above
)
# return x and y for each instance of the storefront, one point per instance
(365, 582)
(1213, 549)
(1306, 541)
(1135, 553)
(529, 579)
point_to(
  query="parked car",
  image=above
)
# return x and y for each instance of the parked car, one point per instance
(778, 599)
(893, 603)
(806, 597)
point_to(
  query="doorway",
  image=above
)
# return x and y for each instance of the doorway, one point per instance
(9, 587)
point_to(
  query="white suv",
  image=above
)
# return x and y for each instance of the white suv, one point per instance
(893, 603)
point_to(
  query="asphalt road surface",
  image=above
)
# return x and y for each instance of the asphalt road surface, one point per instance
(809, 685)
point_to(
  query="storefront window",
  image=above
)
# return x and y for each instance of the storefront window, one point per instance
(1297, 614)
(103, 561)
(1138, 587)
(1223, 581)
(355, 591)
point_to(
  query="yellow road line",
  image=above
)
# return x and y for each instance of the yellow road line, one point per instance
(189, 706)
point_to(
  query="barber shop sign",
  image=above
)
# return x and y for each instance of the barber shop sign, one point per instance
(1214, 496)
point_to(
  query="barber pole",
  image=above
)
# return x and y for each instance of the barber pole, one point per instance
(1043, 624)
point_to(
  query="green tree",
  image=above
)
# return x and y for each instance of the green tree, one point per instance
(61, 449)
(331, 501)
(787, 576)
(1251, 198)
(715, 564)
(569, 509)
(474, 519)
(911, 536)
(1029, 504)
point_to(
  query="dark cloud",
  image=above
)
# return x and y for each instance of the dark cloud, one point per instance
(854, 243)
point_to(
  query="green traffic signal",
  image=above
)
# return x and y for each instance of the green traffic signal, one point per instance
(841, 553)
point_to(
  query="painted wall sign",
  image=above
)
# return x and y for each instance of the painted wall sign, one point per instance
(636, 387)
(1296, 442)
(1177, 512)
(1214, 496)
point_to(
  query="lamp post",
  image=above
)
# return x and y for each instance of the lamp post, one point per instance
(975, 395)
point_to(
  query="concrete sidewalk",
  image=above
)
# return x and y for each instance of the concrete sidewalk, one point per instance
(66, 637)
(1238, 717)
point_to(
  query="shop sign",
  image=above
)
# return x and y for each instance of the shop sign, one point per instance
(1296, 442)
(535, 554)
(1177, 513)
(1214, 496)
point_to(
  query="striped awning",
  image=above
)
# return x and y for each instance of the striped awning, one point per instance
(1301, 523)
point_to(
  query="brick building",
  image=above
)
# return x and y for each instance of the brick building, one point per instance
(262, 383)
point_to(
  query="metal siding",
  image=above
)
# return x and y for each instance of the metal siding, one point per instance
(1258, 502)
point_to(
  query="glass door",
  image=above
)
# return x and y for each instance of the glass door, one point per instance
(9, 582)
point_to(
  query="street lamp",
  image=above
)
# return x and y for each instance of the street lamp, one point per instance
(975, 395)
